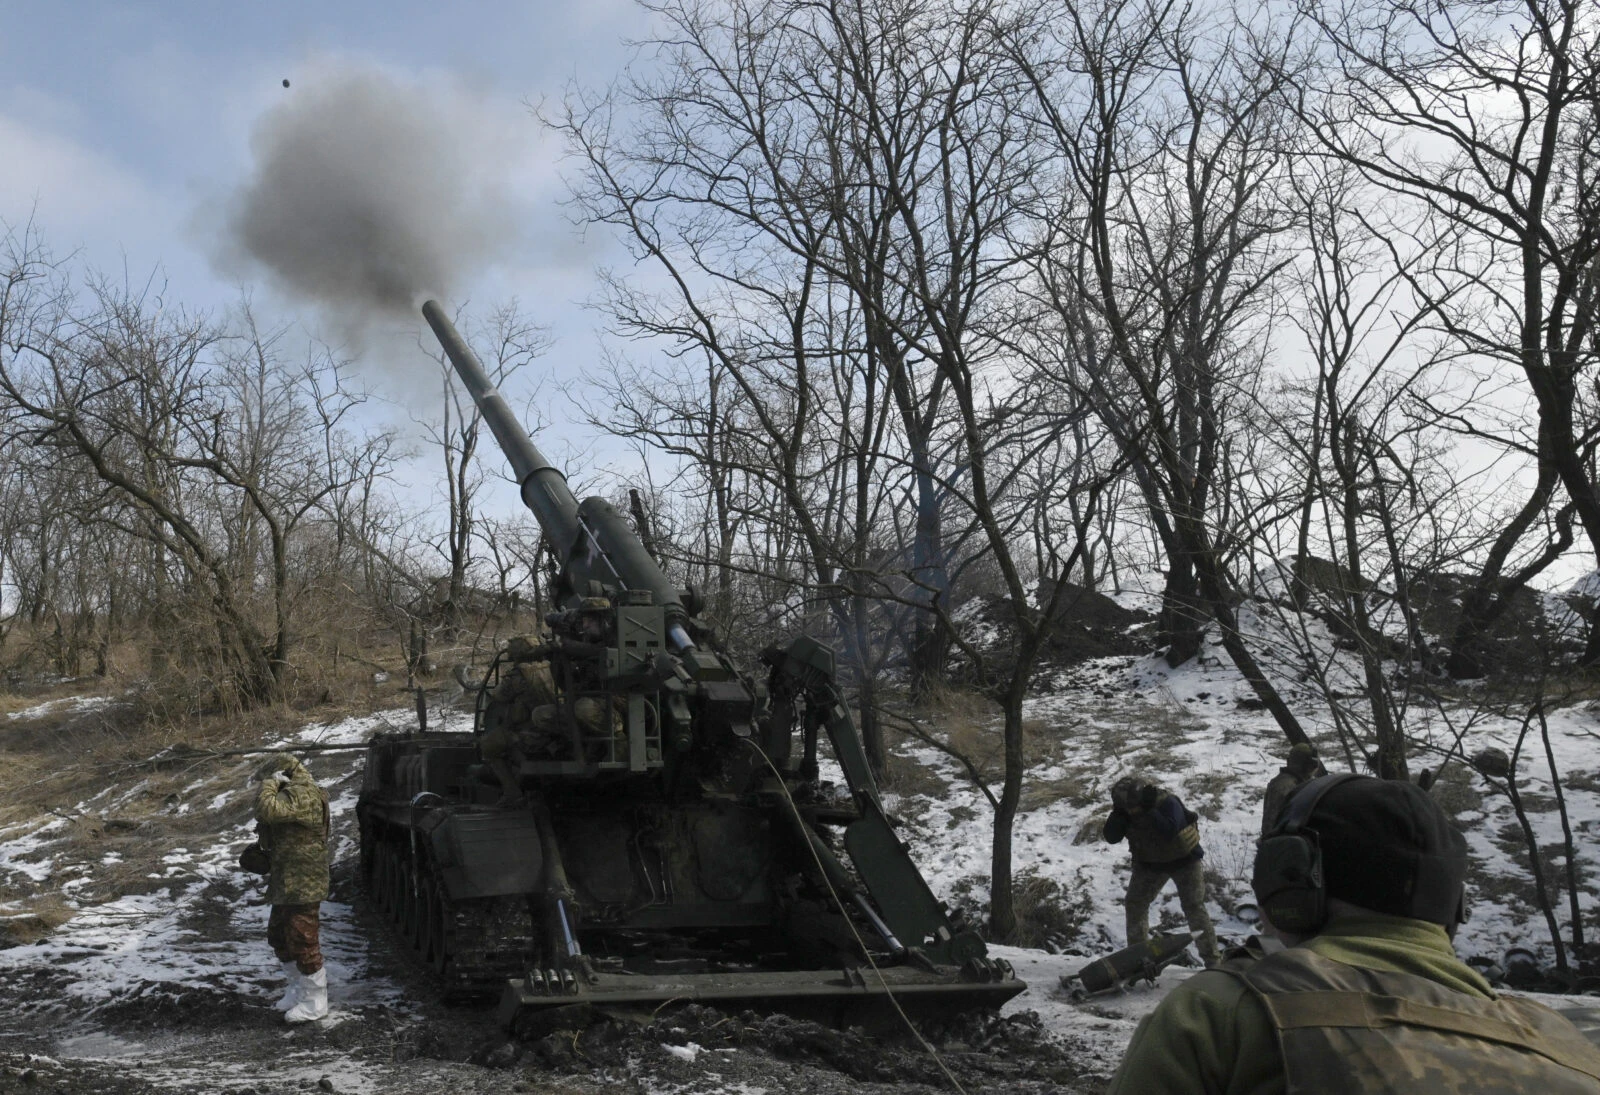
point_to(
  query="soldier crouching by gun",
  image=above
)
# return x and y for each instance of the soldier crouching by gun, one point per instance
(292, 818)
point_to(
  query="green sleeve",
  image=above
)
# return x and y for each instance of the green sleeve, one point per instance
(1208, 1037)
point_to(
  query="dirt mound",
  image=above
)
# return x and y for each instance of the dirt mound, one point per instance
(1087, 626)
(1520, 640)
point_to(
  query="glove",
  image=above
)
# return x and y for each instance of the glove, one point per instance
(1148, 796)
(280, 764)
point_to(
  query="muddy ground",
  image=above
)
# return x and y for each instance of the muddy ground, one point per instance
(133, 960)
(213, 1040)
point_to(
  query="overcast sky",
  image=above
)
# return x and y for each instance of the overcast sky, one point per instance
(123, 127)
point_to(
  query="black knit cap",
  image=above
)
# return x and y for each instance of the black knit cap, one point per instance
(1388, 847)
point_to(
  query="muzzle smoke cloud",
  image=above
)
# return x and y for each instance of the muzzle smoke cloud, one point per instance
(370, 192)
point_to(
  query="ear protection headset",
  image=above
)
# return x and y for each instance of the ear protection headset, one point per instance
(1291, 889)
(1287, 878)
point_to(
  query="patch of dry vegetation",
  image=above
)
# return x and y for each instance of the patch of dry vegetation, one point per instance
(1050, 916)
(82, 765)
(967, 724)
(1078, 790)
(31, 919)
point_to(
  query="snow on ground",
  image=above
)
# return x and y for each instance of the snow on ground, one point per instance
(1101, 1025)
(64, 705)
(1163, 731)
(181, 1063)
(153, 945)
(197, 924)
(1186, 729)
(23, 851)
(360, 729)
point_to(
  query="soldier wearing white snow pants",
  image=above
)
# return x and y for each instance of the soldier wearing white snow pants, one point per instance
(292, 814)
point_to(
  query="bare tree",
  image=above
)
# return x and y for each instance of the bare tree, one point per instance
(833, 197)
(206, 440)
(1161, 246)
(795, 179)
(1481, 121)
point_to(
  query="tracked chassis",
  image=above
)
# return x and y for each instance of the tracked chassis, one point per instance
(636, 819)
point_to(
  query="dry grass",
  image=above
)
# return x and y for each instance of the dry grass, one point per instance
(1202, 793)
(1142, 736)
(85, 771)
(971, 725)
(1080, 791)
(909, 777)
(1050, 916)
(1230, 858)
(31, 919)
(1456, 790)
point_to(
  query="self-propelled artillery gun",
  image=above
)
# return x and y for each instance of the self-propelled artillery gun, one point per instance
(634, 819)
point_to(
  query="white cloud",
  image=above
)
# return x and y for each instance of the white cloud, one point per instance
(63, 185)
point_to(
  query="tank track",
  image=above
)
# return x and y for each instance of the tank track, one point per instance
(469, 948)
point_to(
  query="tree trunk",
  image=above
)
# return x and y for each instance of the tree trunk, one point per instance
(1182, 613)
(1488, 597)
(1002, 904)
(1215, 590)
(872, 742)
(931, 642)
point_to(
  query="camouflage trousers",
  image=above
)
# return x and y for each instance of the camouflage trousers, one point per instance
(294, 933)
(1147, 882)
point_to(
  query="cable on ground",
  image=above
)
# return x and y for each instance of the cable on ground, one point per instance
(845, 912)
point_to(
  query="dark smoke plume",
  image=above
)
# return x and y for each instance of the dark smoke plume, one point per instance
(369, 192)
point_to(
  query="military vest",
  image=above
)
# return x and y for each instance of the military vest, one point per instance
(1148, 845)
(1343, 1028)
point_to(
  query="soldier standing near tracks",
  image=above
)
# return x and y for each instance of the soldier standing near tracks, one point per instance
(292, 817)
(1164, 840)
(1363, 881)
(1302, 764)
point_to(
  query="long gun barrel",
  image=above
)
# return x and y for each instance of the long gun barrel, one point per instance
(544, 488)
(592, 540)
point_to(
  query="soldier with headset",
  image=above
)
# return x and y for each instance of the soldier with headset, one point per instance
(1363, 880)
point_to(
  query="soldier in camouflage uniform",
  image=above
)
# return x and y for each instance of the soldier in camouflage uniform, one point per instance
(1371, 998)
(523, 720)
(292, 818)
(1164, 840)
(1301, 765)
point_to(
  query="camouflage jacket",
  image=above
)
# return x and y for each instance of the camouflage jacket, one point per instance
(1350, 1029)
(293, 819)
(1234, 1030)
